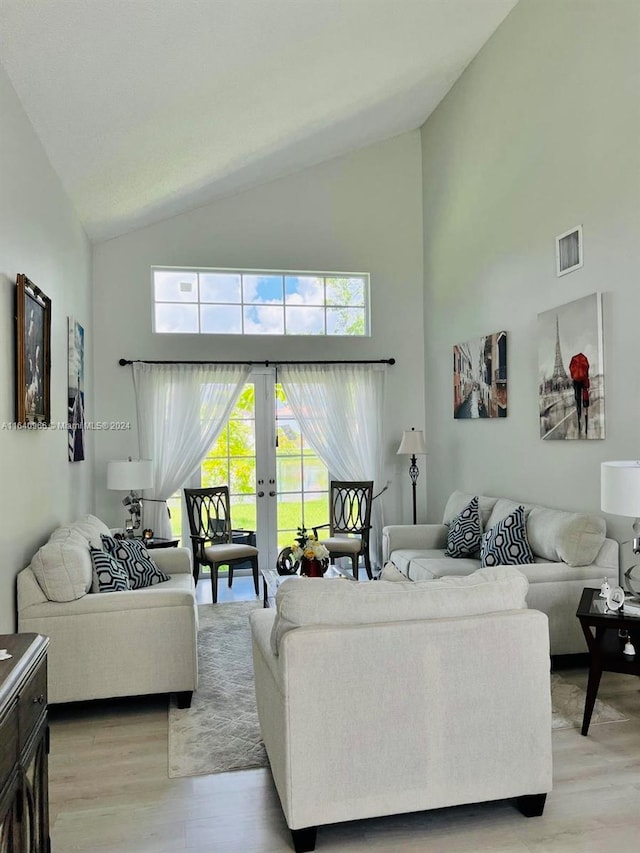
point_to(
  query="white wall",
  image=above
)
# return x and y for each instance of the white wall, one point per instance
(362, 212)
(540, 133)
(41, 237)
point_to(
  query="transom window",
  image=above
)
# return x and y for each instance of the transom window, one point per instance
(251, 302)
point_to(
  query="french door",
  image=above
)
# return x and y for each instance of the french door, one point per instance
(276, 481)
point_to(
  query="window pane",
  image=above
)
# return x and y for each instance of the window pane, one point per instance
(242, 439)
(221, 319)
(174, 505)
(289, 475)
(245, 407)
(262, 289)
(289, 437)
(219, 287)
(303, 290)
(345, 321)
(176, 318)
(289, 517)
(175, 286)
(305, 321)
(316, 511)
(345, 291)
(243, 512)
(243, 476)
(214, 472)
(263, 321)
(315, 476)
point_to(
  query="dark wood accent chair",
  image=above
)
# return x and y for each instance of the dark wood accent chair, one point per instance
(209, 515)
(350, 522)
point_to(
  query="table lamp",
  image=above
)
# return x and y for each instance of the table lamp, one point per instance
(413, 445)
(130, 475)
(620, 495)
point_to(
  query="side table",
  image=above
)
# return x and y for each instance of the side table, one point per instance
(600, 628)
(159, 542)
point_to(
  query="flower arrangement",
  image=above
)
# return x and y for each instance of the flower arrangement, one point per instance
(306, 545)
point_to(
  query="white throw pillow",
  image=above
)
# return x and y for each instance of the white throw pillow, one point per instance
(91, 528)
(62, 567)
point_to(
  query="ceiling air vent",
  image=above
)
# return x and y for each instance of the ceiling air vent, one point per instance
(569, 251)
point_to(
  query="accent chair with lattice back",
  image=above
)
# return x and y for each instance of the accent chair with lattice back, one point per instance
(350, 522)
(209, 514)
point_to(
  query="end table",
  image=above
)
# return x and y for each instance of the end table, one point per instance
(600, 628)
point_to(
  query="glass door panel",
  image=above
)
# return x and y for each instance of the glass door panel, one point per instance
(275, 485)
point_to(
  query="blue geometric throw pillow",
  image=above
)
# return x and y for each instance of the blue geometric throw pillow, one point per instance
(506, 543)
(465, 532)
(108, 574)
(135, 559)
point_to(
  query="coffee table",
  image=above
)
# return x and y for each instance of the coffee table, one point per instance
(600, 629)
(271, 580)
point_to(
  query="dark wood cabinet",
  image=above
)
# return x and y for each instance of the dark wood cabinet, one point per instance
(24, 745)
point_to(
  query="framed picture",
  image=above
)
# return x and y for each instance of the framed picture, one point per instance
(75, 418)
(33, 354)
(570, 370)
(480, 377)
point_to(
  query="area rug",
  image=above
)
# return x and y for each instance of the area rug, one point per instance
(220, 731)
(567, 702)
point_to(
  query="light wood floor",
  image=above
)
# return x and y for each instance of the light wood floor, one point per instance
(110, 792)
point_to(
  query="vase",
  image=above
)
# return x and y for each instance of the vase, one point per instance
(312, 568)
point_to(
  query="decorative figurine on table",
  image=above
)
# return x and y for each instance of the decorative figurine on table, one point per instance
(605, 588)
(147, 534)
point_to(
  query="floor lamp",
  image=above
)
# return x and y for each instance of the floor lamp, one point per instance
(413, 445)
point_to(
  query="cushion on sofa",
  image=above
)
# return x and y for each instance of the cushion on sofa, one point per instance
(459, 500)
(92, 529)
(318, 601)
(572, 537)
(135, 559)
(62, 567)
(465, 532)
(108, 574)
(504, 507)
(506, 543)
(434, 564)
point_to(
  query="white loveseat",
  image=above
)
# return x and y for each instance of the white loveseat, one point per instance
(570, 551)
(118, 643)
(454, 680)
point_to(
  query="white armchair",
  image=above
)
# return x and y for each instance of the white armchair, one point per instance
(457, 670)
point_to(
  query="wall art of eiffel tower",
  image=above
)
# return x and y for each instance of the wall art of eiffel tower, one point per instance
(559, 373)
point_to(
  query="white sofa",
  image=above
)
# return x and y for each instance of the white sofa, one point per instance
(118, 643)
(453, 681)
(570, 551)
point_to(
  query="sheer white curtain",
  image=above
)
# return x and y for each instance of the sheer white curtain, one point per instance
(181, 410)
(339, 408)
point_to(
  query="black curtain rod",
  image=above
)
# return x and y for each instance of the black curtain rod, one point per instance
(266, 363)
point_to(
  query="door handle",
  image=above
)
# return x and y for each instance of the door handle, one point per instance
(260, 494)
(272, 494)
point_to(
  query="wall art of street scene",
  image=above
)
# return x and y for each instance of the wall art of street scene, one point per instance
(571, 376)
(76, 391)
(480, 377)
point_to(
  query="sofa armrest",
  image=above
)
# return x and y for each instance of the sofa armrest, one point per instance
(29, 591)
(427, 536)
(173, 561)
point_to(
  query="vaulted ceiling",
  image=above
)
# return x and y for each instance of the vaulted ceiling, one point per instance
(148, 108)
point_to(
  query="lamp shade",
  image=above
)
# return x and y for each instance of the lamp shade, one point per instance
(127, 475)
(620, 488)
(412, 443)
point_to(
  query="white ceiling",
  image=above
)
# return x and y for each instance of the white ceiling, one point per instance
(148, 108)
